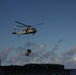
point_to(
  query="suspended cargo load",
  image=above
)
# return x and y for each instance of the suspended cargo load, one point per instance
(27, 52)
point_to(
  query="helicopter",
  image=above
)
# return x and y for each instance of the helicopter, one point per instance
(28, 29)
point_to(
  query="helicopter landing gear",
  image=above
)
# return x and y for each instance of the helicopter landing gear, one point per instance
(33, 33)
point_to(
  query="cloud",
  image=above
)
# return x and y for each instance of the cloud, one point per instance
(74, 58)
(60, 40)
(69, 62)
(68, 58)
(16, 59)
(5, 53)
(17, 56)
(51, 52)
(71, 52)
(39, 54)
(55, 48)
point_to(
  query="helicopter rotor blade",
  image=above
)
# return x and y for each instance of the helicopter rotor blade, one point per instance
(20, 26)
(41, 24)
(23, 24)
(20, 23)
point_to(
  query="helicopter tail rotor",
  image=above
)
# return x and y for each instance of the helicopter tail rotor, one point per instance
(41, 24)
(15, 30)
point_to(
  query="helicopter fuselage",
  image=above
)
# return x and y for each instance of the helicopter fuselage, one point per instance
(26, 30)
